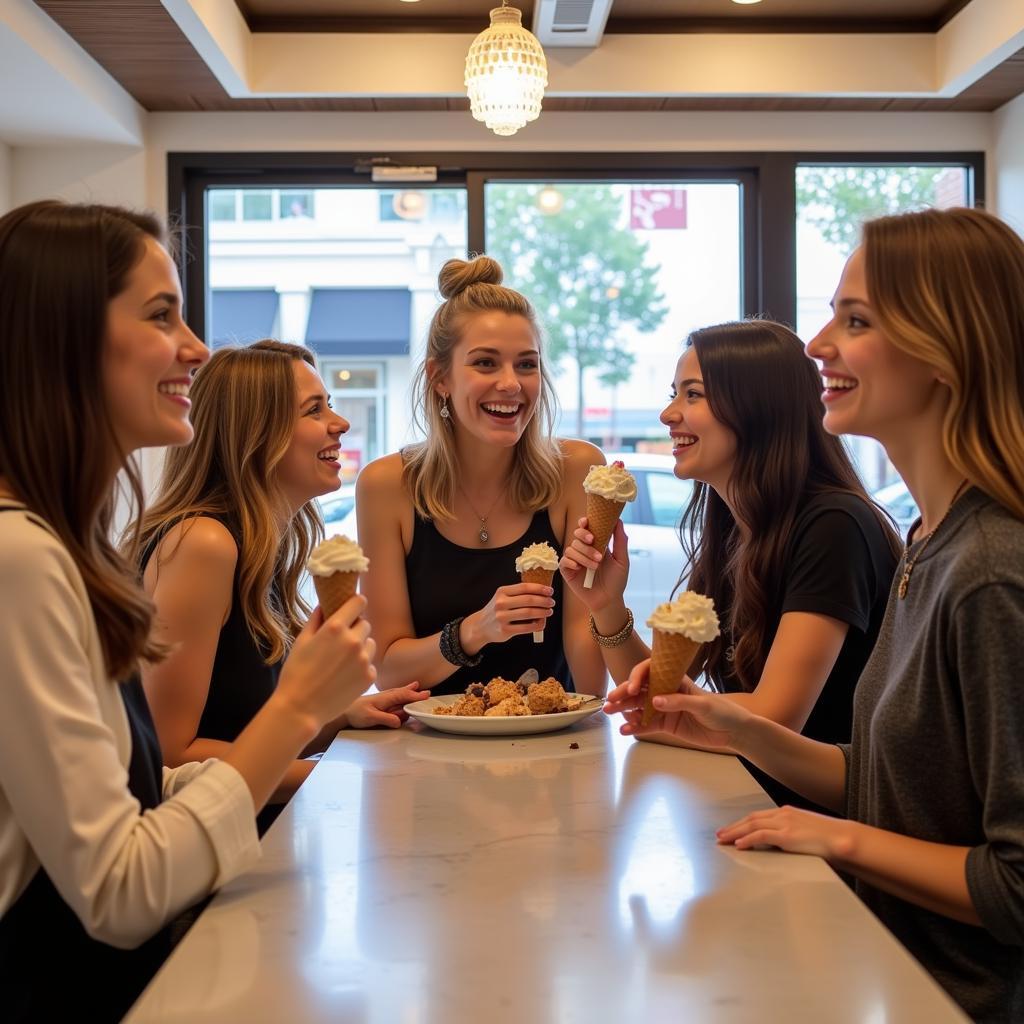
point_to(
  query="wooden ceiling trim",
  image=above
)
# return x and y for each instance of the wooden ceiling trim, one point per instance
(142, 47)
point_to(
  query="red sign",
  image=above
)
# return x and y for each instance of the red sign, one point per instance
(651, 209)
(351, 460)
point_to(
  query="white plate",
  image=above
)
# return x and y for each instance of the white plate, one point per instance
(518, 725)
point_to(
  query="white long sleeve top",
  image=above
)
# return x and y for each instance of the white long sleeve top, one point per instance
(65, 747)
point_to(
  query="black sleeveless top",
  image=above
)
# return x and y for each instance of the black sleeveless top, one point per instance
(241, 681)
(50, 969)
(447, 581)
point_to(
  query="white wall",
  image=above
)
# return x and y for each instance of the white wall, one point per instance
(5, 178)
(1008, 162)
(95, 173)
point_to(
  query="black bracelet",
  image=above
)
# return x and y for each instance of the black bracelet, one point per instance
(451, 646)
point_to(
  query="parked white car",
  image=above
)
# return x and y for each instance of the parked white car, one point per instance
(651, 522)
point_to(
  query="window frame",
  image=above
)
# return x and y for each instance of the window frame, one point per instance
(767, 179)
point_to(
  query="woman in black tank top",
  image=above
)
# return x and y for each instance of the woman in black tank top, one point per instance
(224, 547)
(443, 522)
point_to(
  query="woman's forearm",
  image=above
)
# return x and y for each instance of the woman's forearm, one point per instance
(815, 770)
(930, 875)
(410, 659)
(619, 660)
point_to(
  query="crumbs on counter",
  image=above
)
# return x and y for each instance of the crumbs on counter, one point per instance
(574, 746)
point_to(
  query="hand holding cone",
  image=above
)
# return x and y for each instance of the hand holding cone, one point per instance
(608, 489)
(537, 564)
(680, 627)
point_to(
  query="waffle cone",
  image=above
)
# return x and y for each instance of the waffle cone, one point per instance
(334, 590)
(602, 515)
(544, 578)
(671, 655)
(541, 576)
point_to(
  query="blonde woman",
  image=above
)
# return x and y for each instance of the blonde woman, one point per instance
(101, 848)
(443, 521)
(225, 544)
(926, 353)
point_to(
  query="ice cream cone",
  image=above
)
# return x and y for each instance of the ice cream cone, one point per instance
(671, 655)
(544, 578)
(334, 590)
(602, 515)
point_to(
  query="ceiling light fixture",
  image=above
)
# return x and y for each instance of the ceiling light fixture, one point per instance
(734, 1)
(506, 73)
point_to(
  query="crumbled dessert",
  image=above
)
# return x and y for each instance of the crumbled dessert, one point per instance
(501, 698)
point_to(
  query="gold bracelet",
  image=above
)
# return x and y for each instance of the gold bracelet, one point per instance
(616, 639)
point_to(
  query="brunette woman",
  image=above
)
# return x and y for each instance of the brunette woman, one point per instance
(443, 521)
(926, 354)
(779, 532)
(100, 847)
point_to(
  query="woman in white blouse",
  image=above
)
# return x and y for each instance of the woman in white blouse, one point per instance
(100, 848)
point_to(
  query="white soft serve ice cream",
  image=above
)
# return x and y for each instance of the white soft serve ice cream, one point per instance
(691, 614)
(337, 554)
(613, 482)
(537, 556)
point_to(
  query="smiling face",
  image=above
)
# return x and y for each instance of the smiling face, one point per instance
(494, 382)
(311, 465)
(704, 448)
(149, 356)
(870, 387)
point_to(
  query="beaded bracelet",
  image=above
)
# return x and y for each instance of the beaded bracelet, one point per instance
(616, 639)
(451, 646)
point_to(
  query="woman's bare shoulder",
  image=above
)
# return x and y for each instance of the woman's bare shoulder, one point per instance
(200, 539)
(381, 478)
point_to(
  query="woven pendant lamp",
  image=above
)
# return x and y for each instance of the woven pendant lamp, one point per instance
(506, 73)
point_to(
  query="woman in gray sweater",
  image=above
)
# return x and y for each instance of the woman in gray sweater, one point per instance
(925, 352)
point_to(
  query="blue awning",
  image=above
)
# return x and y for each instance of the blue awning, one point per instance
(241, 315)
(359, 321)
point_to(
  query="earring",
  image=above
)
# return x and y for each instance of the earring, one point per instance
(445, 414)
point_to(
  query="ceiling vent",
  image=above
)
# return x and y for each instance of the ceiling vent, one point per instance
(570, 22)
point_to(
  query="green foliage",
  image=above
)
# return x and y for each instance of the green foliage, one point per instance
(837, 200)
(582, 269)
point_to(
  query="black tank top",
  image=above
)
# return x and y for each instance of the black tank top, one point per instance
(447, 581)
(241, 681)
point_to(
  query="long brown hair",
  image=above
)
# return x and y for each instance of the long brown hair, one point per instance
(948, 288)
(431, 468)
(759, 383)
(244, 410)
(60, 267)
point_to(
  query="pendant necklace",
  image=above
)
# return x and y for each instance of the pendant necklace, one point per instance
(904, 586)
(483, 534)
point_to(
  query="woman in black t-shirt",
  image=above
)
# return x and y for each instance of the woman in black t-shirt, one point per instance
(779, 532)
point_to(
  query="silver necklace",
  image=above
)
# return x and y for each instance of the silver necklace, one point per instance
(483, 534)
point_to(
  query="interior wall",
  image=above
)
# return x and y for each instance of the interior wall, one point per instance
(561, 132)
(93, 173)
(1008, 162)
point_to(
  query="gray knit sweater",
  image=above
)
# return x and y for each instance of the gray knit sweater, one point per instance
(938, 748)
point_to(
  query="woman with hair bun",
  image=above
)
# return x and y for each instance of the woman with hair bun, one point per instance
(443, 521)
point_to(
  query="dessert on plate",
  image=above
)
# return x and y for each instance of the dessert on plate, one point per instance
(502, 698)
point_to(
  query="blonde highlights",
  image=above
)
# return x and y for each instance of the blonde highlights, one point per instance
(948, 289)
(431, 468)
(244, 410)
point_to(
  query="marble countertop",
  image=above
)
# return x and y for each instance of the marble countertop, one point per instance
(420, 878)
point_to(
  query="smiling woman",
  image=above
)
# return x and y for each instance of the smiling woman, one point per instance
(443, 521)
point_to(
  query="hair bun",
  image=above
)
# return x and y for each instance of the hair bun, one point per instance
(457, 275)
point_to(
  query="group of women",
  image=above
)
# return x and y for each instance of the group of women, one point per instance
(163, 692)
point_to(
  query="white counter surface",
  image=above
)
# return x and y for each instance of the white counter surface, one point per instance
(419, 878)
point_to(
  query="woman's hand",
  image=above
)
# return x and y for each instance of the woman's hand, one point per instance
(793, 830)
(330, 664)
(692, 715)
(384, 708)
(515, 609)
(580, 555)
